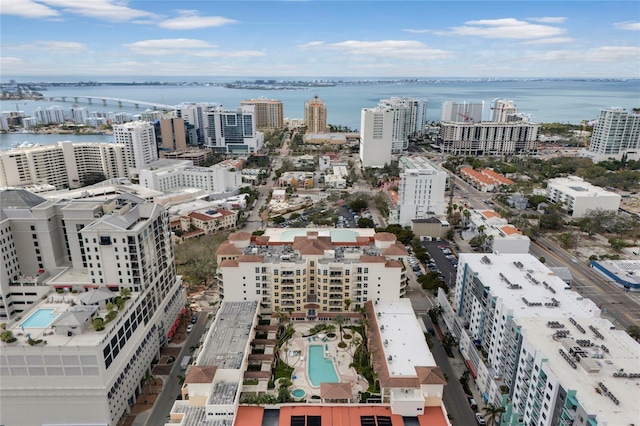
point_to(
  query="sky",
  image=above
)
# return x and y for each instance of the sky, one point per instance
(320, 38)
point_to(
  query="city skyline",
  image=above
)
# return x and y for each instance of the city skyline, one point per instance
(319, 38)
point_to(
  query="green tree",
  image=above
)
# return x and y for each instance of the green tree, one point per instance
(634, 331)
(566, 240)
(492, 414)
(365, 222)
(125, 293)
(617, 244)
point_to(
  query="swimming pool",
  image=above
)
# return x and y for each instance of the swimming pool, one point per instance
(39, 319)
(319, 368)
(298, 393)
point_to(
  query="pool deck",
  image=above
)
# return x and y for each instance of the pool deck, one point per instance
(341, 359)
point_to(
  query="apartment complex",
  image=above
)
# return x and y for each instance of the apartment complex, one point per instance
(63, 165)
(169, 175)
(315, 115)
(539, 348)
(376, 136)
(233, 131)
(615, 134)
(409, 118)
(312, 274)
(503, 111)
(66, 266)
(268, 112)
(195, 114)
(486, 180)
(139, 141)
(421, 190)
(465, 112)
(488, 138)
(173, 134)
(52, 115)
(578, 197)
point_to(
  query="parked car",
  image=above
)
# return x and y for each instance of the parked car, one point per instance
(472, 403)
(189, 328)
(480, 419)
(194, 319)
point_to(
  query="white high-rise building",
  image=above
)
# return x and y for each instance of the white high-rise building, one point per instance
(79, 115)
(52, 115)
(502, 110)
(537, 347)
(196, 115)
(233, 131)
(615, 134)
(409, 118)
(167, 175)
(76, 358)
(139, 140)
(465, 112)
(421, 192)
(376, 136)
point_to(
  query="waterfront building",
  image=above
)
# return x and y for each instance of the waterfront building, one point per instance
(52, 115)
(376, 136)
(315, 115)
(421, 191)
(488, 138)
(268, 112)
(79, 115)
(538, 348)
(578, 197)
(65, 265)
(170, 175)
(503, 110)
(311, 273)
(195, 114)
(233, 131)
(409, 118)
(139, 141)
(465, 112)
(616, 134)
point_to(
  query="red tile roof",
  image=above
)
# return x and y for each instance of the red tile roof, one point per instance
(384, 236)
(228, 248)
(239, 236)
(198, 374)
(336, 390)
(200, 216)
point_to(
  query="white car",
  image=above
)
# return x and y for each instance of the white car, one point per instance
(189, 328)
(480, 419)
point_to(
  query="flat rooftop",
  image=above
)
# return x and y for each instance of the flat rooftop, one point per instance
(599, 360)
(285, 235)
(526, 286)
(403, 339)
(228, 338)
(577, 187)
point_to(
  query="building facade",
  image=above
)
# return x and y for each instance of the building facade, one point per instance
(409, 118)
(314, 274)
(465, 112)
(139, 141)
(169, 175)
(488, 138)
(578, 197)
(502, 110)
(315, 115)
(615, 134)
(268, 112)
(376, 137)
(99, 294)
(233, 131)
(173, 134)
(421, 190)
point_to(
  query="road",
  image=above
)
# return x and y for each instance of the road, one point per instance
(161, 409)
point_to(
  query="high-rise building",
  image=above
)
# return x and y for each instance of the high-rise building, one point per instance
(421, 190)
(315, 115)
(195, 114)
(173, 134)
(488, 138)
(90, 292)
(465, 112)
(538, 348)
(268, 113)
(502, 110)
(139, 141)
(615, 134)
(409, 118)
(233, 131)
(52, 115)
(376, 136)
(79, 115)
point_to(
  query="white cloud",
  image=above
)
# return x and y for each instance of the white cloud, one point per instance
(405, 49)
(416, 31)
(507, 28)
(9, 61)
(614, 54)
(552, 40)
(549, 19)
(629, 25)
(26, 9)
(189, 20)
(311, 44)
(52, 46)
(187, 47)
(110, 10)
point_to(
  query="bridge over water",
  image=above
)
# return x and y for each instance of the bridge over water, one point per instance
(92, 100)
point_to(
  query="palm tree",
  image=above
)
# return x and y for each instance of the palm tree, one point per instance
(492, 414)
(347, 304)
(125, 293)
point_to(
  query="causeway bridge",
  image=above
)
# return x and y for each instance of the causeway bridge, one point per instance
(105, 101)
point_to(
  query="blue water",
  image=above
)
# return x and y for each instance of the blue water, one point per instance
(320, 369)
(298, 393)
(547, 101)
(39, 319)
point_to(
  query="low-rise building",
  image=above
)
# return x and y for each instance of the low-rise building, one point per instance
(203, 223)
(496, 233)
(485, 180)
(338, 179)
(578, 197)
(296, 179)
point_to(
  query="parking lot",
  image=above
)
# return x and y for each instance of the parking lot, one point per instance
(442, 254)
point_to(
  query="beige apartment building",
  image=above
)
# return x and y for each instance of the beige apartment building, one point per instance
(268, 112)
(315, 115)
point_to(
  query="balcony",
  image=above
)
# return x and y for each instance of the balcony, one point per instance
(335, 274)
